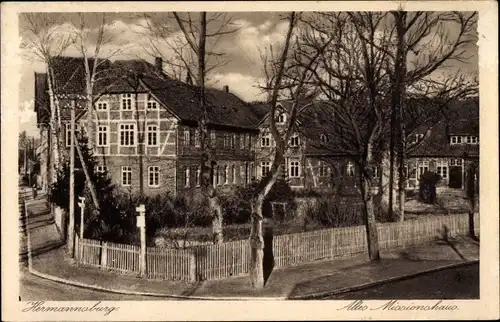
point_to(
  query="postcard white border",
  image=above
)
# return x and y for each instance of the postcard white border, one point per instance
(485, 308)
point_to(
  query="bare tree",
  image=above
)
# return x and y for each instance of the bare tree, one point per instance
(190, 50)
(287, 75)
(96, 71)
(424, 43)
(175, 42)
(354, 84)
(43, 38)
(94, 62)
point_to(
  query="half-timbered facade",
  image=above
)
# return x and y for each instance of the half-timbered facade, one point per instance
(145, 134)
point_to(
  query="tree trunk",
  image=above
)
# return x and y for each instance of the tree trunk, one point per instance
(402, 190)
(257, 244)
(215, 210)
(399, 98)
(53, 132)
(388, 187)
(367, 195)
(471, 196)
(88, 180)
(370, 223)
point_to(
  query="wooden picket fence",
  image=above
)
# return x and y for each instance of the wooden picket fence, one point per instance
(212, 262)
(222, 261)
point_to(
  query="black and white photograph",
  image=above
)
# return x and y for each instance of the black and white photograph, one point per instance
(167, 155)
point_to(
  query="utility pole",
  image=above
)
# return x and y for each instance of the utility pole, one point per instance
(71, 225)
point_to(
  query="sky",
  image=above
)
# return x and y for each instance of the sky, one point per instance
(127, 32)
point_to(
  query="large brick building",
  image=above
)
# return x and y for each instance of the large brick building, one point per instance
(146, 134)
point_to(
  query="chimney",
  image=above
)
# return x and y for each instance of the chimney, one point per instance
(159, 63)
(226, 88)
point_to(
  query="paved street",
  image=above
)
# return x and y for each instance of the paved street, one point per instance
(455, 283)
(35, 288)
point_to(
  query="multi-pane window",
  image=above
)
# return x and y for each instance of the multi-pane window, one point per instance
(233, 141)
(186, 177)
(233, 170)
(294, 169)
(453, 139)
(265, 167)
(442, 169)
(102, 135)
(126, 102)
(152, 105)
(266, 140)
(213, 138)
(68, 133)
(154, 176)
(101, 169)
(242, 141)
(423, 167)
(456, 162)
(227, 141)
(198, 176)
(196, 137)
(323, 138)
(226, 175)
(294, 141)
(416, 137)
(323, 169)
(215, 176)
(152, 135)
(101, 106)
(350, 169)
(281, 118)
(376, 172)
(127, 134)
(126, 176)
(187, 137)
(247, 178)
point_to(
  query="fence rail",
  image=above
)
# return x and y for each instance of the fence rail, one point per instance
(211, 262)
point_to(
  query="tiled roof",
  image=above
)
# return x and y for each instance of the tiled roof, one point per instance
(223, 108)
(123, 76)
(460, 118)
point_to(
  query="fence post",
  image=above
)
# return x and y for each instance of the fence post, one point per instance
(104, 255)
(192, 265)
(77, 248)
(141, 223)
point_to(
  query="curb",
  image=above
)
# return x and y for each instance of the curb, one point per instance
(56, 279)
(380, 282)
(23, 256)
(127, 292)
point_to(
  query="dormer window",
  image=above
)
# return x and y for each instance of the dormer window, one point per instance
(265, 140)
(294, 141)
(281, 118)
(152, 105)
(126, 101)
(464, 139)
(102, 106)
(415, 138)
(323, 138)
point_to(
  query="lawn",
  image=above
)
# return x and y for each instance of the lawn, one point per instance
(450, 201)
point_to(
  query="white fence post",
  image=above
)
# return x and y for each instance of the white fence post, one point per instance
(104, 255)
(141, 223)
